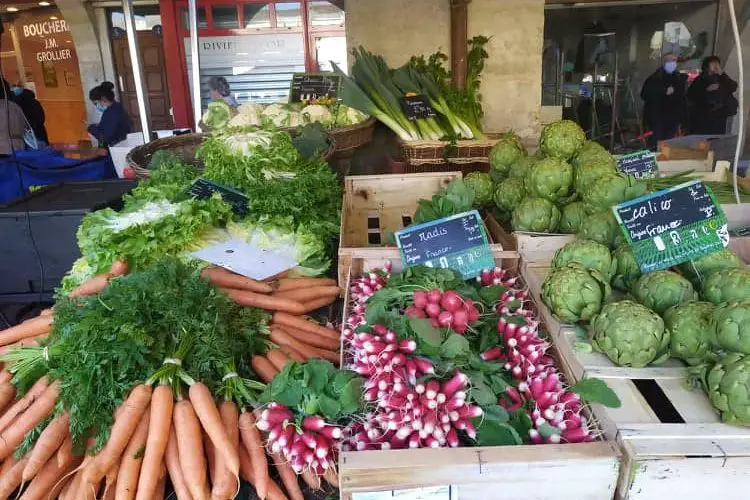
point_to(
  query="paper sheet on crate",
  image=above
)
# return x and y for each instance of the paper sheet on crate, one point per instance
(245, 259)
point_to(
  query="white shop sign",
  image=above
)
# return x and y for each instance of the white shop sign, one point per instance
(249, 52)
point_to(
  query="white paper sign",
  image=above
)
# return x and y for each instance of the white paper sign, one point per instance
(245, 259)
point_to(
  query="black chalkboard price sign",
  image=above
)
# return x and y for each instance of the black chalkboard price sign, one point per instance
(673, 226)
(417, 107)
(312, 86)
(641, 164)
(203, 189)
(458, 242)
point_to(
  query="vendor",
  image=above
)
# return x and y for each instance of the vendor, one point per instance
(115, 124)
(664, 96)
(218, 89)
(12, 122)
(712, 99)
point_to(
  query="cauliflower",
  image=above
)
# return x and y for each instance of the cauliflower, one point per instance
(273, 110)
(244, 120)
(317, 113)
(346, 116)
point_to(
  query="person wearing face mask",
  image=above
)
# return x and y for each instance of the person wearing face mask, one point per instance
(114, 125)
(33, 111)
(712, 100)
(665, 108)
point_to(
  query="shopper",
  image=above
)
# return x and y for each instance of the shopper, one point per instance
(664, 96)
(712, 99)
(33, 111)
(115, 124)
(12, 122)
(218, 89)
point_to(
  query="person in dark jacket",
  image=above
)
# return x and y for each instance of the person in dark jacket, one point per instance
(664, 95)
(115, 124)
(712, 98)
(33, 111)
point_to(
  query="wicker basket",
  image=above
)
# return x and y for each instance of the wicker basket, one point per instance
(350, 138)
(425, 153)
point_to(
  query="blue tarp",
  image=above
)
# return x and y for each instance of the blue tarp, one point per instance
(45, 167)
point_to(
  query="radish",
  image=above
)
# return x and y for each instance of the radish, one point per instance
(460, 320)
(420, 299)
(451, 301)
(434, 296)
(415, 312)
(432, 310)
(445, 319)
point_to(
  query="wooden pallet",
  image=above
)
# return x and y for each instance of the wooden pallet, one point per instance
(672, 441)
(582, 471)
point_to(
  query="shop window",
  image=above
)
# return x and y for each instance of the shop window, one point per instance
(288, 15)
(225, 16)
(324, 13)
(328, 49)
(202, 22)
(143, 22)
(257, 16)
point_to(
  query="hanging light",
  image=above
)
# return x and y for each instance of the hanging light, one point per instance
(45, 4)
(12, 9)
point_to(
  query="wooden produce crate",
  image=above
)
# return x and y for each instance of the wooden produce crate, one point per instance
(581, 471)
(672, 442)
(537, 244)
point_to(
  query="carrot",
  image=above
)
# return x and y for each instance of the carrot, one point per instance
(47, 312)
(14, 433)
(132, 458)
(225, 484)
(65, 452)
(189, 445)
(277, 358)
(160, 421)
(109, 494)
(292, 353)
(312, 479)
(281, 337)
(288, 477)
(253, 444)
(172, 461)
(210, 457)
(122, 431)
(118, 268)
(333, 357)
(263, 368)
(208, 414)
(50, 440)
(161, 485)
(20, 406)
(308, 294)
(283, 319)
(7, 394)
(313, 339)
(7, 464)
(267, 302)
(246, 469)
(314, 305)
(224, 278)
(5, 377)
(110, 479)
(285, 284)
(331, 477)
(11, 479)
(29, 328)
(91, 286)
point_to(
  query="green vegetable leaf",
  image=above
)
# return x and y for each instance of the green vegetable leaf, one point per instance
(329, 407)
(498, 383)
(546, 430)
(491, 294)
(594, 390)
(494, 433)
(426, 332)
(351, 396)
(481, 391)
(495, 413)
(455, 345)
(515, 320)
(316, 374)
(521, 422)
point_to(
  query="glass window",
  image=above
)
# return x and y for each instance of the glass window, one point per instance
(288, 15)
(324, 13)
(225, 16)
(143, 21)
(257, 16)
(202, 23)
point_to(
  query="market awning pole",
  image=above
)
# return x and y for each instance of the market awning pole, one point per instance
(459, 41)
(195, 63)
(741, 100)
(135, 62)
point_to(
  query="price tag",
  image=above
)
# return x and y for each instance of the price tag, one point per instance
(203, 189)
(673, 226)
(311, 86)
(417, 107)
(641, 164)
(458, 242)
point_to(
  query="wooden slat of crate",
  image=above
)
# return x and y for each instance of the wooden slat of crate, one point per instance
(538, 245)
(580, 471)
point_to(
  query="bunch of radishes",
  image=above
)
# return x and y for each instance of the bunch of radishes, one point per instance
(444, 309)
(361, 289)
(312, 446)
(497, 276)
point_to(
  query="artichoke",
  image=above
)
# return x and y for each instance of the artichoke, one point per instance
(505, 153)
(589, 254)
(535, 215)
(661, 290)
(481, 185)
(610, 190)
(627, 270)
(590, 147)
(549, 178)
(724, 285)
(698, 269)
(728, 387)
(728, 325)
(630, 334)
(509, 194)
(571, 218)
(573, 293)
(602, 227)
(521, 166)
(689, 326)
(586, 177)
(562, 139)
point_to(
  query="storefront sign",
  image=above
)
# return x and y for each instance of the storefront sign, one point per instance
(641, 164)
(47, 30)
(312, 86)
(458, 242)
(417, 107)
(673, 226)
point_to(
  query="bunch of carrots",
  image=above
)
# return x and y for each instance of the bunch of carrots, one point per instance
(168, 427)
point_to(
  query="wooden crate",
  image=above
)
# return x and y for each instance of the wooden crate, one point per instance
(581, 471)
(527, 244)
(673, 443)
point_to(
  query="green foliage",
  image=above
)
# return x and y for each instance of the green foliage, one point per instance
(456, 198)
(311, 140)
(169, 179)
(594, 390)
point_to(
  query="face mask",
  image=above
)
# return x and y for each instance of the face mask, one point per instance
(100, 107)
(670, 66)
(17, 90)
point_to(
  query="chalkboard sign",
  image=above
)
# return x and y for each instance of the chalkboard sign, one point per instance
(417, 107)
(311, 86)
(641, 164)
(458, 242)
(740, 231)
(203, 189)
(673, 226)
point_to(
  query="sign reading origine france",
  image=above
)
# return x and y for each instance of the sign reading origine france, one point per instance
(47, 30)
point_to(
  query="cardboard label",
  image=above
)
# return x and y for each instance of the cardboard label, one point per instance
(458, 242)
(245, 259)
(417, 107)
(641, 164)
(673, 226)
(203, 189)
(311, 86)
